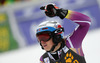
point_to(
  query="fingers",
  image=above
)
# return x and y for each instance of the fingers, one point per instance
(50, 10)
(42, 8)
(49, 7)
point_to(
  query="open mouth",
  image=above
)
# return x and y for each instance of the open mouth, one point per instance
(44, 45)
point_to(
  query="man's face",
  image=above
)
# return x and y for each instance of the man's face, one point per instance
(46, 40)
(47, 45)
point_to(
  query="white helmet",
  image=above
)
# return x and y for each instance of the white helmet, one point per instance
(51, 26)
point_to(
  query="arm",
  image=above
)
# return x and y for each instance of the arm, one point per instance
(84, 23)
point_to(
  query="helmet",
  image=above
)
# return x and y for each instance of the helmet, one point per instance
(51, 26)
(54, 28)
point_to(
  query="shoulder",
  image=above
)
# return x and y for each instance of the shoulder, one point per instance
(42, 57)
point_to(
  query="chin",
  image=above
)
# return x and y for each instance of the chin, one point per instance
(46, 49)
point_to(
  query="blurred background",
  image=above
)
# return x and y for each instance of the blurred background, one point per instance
(19, 19)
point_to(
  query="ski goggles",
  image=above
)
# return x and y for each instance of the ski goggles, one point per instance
(43, 36)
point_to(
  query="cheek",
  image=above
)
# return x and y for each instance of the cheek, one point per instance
(50, 43)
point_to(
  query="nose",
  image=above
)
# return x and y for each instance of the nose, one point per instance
(43, 42)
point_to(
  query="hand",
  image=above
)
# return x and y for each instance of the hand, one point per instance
(52, 10)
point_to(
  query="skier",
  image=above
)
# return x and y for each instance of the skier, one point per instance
(50, 36)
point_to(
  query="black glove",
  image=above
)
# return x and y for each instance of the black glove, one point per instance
(52, 10)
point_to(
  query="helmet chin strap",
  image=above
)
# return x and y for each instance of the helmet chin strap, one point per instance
(53, 47)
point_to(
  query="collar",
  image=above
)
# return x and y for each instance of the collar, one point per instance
(65, 49)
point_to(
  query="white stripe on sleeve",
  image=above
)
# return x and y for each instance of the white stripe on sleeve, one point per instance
(70, 42)
(84, 22)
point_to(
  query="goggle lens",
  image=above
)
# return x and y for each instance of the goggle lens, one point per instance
(44, 36)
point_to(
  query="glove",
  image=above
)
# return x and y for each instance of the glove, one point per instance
(52, 10)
